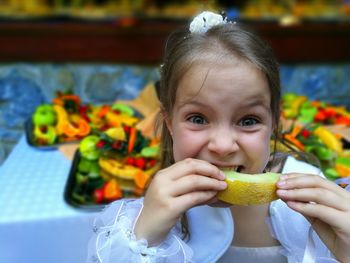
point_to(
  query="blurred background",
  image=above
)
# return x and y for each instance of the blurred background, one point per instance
(105, 50)
(112, 9)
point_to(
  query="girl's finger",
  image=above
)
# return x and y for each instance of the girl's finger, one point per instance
(292, 175)
(192, 183)
(193, 199)
(293, 181)
(195, 166)
(324, 213)
(317, 195)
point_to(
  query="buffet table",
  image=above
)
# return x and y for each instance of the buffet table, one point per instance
(36, 224)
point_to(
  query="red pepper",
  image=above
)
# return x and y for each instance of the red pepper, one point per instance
(130, 161)
(140, 163)
(305, 133)
(83, 112)
(116, 145)
(127, 129)
(329, 112)
(342, 120)
(104, 127)
(151, 163)
(320, 116)
(98, 195)
(100, 144)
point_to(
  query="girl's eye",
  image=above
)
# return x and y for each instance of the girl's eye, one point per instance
(197, 119)
(248, 122)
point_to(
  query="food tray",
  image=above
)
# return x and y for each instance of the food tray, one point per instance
(29, 133)
(84, 199)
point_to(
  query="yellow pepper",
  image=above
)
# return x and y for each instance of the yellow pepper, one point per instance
(64, 126)
(293, 109)
(329, 139)
(62, 118)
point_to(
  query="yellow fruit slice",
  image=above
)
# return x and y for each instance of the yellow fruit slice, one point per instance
(329, 139)
(118, 169)
(249, 189)
(116, 133)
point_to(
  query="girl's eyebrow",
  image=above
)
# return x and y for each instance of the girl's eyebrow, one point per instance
(256, 102)
(250, 103)
(192, 102)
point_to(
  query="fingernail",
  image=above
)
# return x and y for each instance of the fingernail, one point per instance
(281, 183)
(223, 185)
(283, 177)
(222, 175)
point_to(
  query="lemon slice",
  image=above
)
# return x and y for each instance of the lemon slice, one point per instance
(249, 189)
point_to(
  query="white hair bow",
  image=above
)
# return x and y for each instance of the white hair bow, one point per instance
(206, 20)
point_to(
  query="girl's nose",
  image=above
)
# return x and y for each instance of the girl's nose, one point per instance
(223, 141)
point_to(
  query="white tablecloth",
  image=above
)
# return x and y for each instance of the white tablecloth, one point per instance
(36, 224)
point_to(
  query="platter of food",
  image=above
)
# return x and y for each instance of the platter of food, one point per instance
(113, 164)
(67, 120)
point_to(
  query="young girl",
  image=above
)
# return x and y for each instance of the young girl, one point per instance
(219, 94)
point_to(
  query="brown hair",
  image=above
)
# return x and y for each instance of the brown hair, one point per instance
(184, 49)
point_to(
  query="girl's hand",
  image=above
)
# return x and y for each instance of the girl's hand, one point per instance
(325, 205)
(174, 190)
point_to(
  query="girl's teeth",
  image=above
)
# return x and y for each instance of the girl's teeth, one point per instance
(233, 168)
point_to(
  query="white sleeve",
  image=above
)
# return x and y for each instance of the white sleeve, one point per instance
(293, 165)
(114, 239)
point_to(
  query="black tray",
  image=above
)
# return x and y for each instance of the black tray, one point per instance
(74, 199)
(71, 186)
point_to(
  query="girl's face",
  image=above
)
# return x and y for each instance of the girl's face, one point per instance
(222, 115)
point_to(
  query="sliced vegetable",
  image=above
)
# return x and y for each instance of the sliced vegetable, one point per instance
(112, 190)
(123, 108)
(141, 179)
(132, 139)
(150, 152)
(116, 133)
(329, 139)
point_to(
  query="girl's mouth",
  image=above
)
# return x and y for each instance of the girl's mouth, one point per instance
(237, 168)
